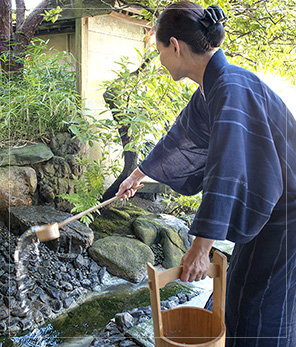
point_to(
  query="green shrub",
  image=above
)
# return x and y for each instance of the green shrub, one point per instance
(178, 204)
(38, 102)
(146, 101)
(89, 188)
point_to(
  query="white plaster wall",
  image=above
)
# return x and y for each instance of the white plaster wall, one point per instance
(109, 39)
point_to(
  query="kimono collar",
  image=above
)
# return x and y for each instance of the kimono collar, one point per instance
(214, 70)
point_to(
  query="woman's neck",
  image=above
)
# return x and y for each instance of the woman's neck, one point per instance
(197, 64)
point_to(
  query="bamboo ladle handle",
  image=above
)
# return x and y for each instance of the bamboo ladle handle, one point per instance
(51, 231)
(83, 213)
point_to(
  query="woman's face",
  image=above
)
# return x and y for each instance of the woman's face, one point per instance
(170, 59)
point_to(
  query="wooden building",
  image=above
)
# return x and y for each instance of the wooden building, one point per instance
(97, 41)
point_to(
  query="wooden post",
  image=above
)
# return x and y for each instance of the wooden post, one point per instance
(155, 302)
(81, 41)
(219, 293)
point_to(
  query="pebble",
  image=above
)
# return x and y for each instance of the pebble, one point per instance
(56, 305)
(3, 327)
(49, 284)
(68, 302)
(86, 283)
(26, 324)
(124, 321)
(66, 286)
(46, 311)
(3, 314)
(43, 297)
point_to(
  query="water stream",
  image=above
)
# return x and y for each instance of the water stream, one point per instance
(27, 251)
(27, 246)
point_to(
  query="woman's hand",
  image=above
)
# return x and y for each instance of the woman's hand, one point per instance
(196, 260)
(127, 188)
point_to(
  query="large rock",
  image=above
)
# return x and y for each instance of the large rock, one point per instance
(55, 167)
(17, 186)
(179, 226)
(123, 257)
(117, 219)
(173, 248)
(72, 235)
(55, 176)
(168, 231)
(147, 229)
(64, 145)
(22, 156)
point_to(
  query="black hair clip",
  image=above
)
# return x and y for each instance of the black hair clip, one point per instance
(212, 15)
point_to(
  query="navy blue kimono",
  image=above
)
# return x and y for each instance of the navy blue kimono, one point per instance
(236, 141)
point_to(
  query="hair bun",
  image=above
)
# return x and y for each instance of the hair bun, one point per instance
(212, 15)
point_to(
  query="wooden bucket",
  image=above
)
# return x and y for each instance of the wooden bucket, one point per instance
(185, 325)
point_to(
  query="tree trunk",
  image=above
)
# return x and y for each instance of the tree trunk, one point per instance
(13, 45)
(130, 158)
(130, 163)
(5, 32)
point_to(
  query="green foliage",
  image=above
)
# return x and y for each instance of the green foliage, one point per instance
(146, 101)
(146, 104)
(178, 204)
(52, 15)
(36, 104)
(91, 129)
(89, 188)
(260, 35)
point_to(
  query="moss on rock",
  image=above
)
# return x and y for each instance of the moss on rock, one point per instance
(116, 220)
(147, 229)
(172, 253)
(122, 256)
(134, 211)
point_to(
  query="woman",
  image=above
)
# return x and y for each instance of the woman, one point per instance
(235, 140)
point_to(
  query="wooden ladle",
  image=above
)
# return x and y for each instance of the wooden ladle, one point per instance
(51, 231)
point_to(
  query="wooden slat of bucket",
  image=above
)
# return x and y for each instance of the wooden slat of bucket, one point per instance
(174, 273)
(155, 301)
(186, 324)
(219, 292)
(189, 326)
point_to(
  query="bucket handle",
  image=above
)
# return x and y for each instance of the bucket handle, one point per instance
(157, 280)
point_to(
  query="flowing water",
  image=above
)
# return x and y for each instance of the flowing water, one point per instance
(27, 250)
(90, 317)
(27, 246)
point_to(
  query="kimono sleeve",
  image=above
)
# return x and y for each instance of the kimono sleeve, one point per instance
(178, 159)
(243, 177)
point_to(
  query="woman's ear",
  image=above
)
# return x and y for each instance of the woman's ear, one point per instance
(175, 45)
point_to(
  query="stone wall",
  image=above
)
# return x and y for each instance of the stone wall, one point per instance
(36, 174)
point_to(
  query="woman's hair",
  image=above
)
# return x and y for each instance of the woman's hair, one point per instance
(201, 29)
